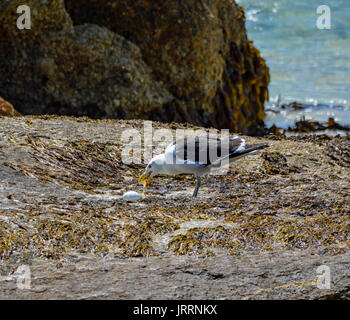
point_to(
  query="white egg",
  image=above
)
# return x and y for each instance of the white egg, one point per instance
(132, 196)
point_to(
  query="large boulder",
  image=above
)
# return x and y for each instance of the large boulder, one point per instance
(198, 49)
(84, 70)
(170, 61)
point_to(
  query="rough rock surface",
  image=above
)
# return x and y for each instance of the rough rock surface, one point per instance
(259, 231)
(199, 49)
(7, 109)
(265, 276)
(195, 63)
(83, 70)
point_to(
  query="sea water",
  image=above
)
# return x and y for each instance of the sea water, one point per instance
(307, 64)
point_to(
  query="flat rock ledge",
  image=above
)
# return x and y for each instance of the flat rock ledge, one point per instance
(266, 229)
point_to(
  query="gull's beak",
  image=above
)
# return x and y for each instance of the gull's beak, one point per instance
(145, 179)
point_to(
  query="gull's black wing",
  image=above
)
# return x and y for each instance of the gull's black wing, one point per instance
(205, 150)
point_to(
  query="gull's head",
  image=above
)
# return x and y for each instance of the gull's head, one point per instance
(154, 167)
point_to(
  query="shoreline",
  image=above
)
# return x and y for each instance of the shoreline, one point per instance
(302, 119)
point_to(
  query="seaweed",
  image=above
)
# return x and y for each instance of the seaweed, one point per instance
(267, 204)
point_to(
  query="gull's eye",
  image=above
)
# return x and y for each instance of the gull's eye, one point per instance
(150, 166)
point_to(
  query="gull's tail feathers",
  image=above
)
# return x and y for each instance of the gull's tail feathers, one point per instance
(248, 149)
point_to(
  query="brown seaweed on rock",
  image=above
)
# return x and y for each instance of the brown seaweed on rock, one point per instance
(64, 178)
(62, 208)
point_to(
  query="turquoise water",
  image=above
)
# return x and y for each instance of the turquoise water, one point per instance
(307, 65)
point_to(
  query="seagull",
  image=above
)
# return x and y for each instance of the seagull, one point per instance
(197, 155)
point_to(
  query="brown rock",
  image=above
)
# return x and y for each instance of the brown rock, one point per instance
(198, 49)
(7, 109)
(83, 70)
(194, 64)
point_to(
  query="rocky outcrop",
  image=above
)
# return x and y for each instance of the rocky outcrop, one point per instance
(7, 109)
(175, 60)
(83, 70)
(198, 49)
(260, 231)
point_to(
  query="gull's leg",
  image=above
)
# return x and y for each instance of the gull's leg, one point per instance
(198, 184)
